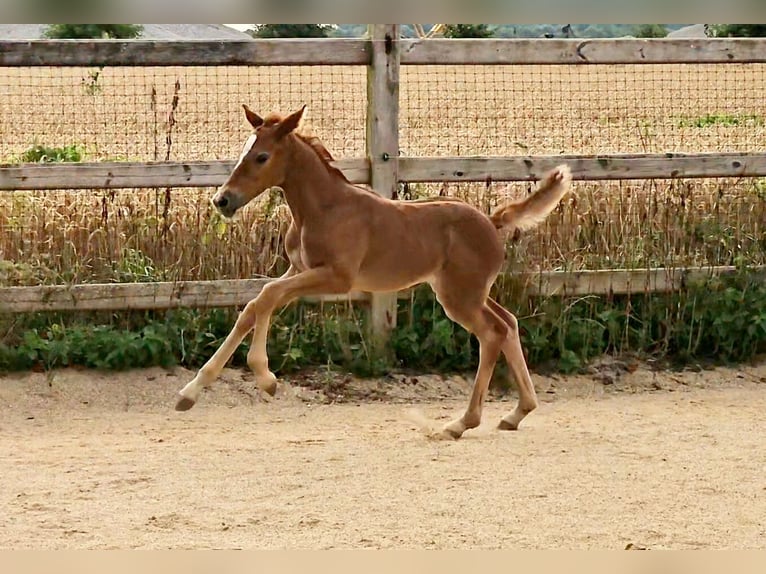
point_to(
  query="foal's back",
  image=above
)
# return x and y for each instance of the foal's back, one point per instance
(409, 242)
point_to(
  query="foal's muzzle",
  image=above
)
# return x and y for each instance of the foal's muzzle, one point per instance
(225, 203)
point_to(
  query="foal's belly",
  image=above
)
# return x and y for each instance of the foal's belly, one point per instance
(388, 281)
(401, 261)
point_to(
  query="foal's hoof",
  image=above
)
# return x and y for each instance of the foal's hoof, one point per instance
(505, 425)
(267, 383)
(443, 434)
(452, 431)
(184, 403)
(450, 434)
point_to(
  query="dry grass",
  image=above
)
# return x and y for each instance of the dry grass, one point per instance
(470, 110)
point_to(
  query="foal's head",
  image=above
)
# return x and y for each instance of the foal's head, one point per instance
(262, 163)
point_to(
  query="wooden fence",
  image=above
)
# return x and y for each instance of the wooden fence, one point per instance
(383, 52)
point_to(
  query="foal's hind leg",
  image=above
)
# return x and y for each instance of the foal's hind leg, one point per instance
(515, 358)
(491, 331)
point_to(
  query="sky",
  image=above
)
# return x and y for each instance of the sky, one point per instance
(242, 27)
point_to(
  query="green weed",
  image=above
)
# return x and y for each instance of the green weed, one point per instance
(46, 154)
(721, 120)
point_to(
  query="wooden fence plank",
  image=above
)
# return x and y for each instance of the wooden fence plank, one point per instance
(262, 52)
(114, 175)
(413, 169)
(603, 167)
(126, 296)
(584, 51)
(622, 281)
(237, 292)
(356, 51)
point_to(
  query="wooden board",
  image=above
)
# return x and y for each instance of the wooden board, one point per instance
(237, 292)
(115, 175)
(622, 281)
(614, 166)
(584, 51)
(261, 52)
(350, 51)
(413, 169)
(126, 296)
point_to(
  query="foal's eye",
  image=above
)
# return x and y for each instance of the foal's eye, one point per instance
(262, 157)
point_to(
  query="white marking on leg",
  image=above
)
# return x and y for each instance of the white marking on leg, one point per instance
(193, 389)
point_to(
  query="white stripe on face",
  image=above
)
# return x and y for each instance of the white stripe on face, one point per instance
(246, 148)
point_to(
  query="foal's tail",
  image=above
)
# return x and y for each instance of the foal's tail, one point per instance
(531, 210)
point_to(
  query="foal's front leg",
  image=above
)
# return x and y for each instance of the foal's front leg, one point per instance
(210, 371)
(317, 281)
(257, 315)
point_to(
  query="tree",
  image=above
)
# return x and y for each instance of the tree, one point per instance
(467, 31)
(348, 31)
(290, 31)
(735, 30)
(83, 31)
(650, 31)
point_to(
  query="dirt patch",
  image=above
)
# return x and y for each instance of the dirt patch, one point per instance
(622, 455)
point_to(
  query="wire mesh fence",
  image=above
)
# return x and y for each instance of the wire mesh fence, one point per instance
(512, 110)
(127, 114)
(194, 113)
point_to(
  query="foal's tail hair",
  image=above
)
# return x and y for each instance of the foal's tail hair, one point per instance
(527, 212)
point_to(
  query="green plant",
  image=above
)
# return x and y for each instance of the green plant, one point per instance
(134, 266)
(290, 31)
(90, 84)
(759, 189)
(467, 31)
(86, 31)
(45, 154)
(733, 30)
(721, 119)
(650, 31)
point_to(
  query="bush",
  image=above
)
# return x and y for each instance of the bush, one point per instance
(721, 320)
(650, 31)
(87, 31)
(44, 154)
(290, 31)
(467, 31)
(735, 30)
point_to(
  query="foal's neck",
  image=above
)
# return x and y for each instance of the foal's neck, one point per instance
(310, 185)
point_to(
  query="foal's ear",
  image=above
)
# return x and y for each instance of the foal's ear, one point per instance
(290, 122)
(254, 119)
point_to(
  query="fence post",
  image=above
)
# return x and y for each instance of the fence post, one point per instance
(382, 145)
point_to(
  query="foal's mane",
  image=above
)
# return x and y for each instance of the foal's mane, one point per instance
(314, 143)
(323, 153)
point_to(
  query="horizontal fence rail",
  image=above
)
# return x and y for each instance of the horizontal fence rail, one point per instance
(583, 51)
(238, 292)
(332, 51)
(601, 167)
(116, 175)
(262, 52)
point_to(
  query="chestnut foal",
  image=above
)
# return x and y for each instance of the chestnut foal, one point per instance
(344, 237)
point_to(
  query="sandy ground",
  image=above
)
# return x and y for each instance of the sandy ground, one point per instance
(618, 457)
